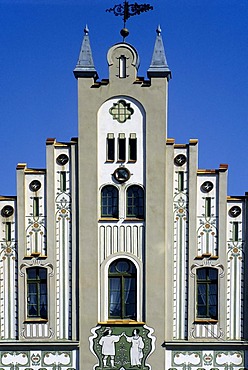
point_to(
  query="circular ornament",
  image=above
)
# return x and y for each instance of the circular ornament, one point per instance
(235, 211)
(7, 211)
(121, 174)
(35, 185)
(207, 186)
(62, 159)
(180, 160)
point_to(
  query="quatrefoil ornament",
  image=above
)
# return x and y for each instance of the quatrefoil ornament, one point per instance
(121, 111)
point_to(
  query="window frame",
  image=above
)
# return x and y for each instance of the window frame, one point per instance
(209, 283)
(112, 215)
(37, 281)
(135, 215)
(110, 148)
(123, 278)
(132, 148)
(121, 150)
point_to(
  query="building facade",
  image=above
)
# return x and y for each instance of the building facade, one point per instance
(122, 253)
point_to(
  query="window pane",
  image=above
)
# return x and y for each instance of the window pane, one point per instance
(32, 288)
(129, 290)
(37, 292)
(63, 181)
(207, 293)
(202, 311)
(135, 202)
(213, 289)
(208, 207)
(114, 297)
(235, 231)
(201, 298)
(122, 266)
(213, 312)
(180, 180)
(130, 311)
(109, 202)
(110, 149)
(42, 273)
(32, 310)
(202, 274)
(43, 311)
(132, 149)
(122, 289)
(31, 273)
(122, 149)
(213, 274)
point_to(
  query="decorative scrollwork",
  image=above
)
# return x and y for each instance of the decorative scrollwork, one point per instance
(128, 10)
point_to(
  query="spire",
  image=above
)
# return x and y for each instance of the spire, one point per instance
(85, 65)
(159, 66)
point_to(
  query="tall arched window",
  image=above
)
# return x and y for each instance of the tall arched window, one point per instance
(37, 292)
(135, 202)
(207, 293)
(122, 278)
(109, 201)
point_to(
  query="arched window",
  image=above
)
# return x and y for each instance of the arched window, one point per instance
(122, 278)
(135, 202)
(207, 293)
(37, 292)
(109, 201)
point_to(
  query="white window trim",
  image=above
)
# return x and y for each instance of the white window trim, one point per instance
(103, 298)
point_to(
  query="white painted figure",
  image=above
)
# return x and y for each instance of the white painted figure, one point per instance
(107, 342)
(136, 350)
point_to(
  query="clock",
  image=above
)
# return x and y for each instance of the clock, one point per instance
(121, 174)
(180, 160)
(207, 186)
(62, 159)
(35, 185)
(235, 211)
(7, 211)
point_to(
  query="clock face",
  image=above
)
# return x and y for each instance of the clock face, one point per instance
(7, 211)
(62, 159)
(121, 174)
(235, 211)
(180, 160)
(207, 186)
(35, 185)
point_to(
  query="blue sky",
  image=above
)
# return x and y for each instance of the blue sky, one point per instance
(206, 45)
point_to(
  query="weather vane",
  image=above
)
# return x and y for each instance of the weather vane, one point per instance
(128, 10)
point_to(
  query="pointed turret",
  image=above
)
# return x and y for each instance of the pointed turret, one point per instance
(159, 66)
(85, 65)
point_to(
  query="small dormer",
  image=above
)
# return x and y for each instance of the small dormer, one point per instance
(123, 61)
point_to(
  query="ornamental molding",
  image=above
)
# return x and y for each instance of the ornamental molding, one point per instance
(36, 263)
(207, 263)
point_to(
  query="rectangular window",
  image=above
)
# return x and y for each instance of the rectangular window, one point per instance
(180, 181)
(133, 148)
(36, 207)
(122, 66)
(207, 293)
(110, 148)
(8, 231)
(208, 207)
(63, 181)
(235, 231)
(121, 148)
(122, 290)
(37, 292)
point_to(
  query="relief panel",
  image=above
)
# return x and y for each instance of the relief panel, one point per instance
(122, 347)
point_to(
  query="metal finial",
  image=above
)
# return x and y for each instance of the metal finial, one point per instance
(86, 30)
(128, 10)
(158, 30)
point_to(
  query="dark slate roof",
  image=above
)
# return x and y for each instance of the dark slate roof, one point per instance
(85, 65)
(159, 66)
